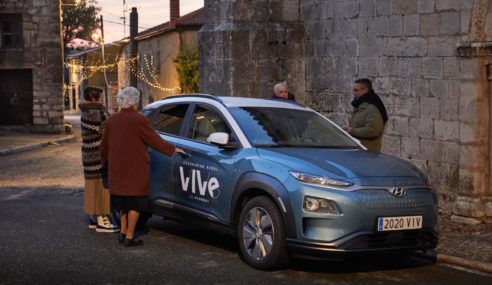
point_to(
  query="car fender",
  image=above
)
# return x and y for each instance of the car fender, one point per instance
(252, 181)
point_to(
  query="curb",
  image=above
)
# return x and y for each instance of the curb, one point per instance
(456, 261)
(36, 145)
(461, 262)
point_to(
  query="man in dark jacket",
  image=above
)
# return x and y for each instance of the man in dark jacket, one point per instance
(369, 117)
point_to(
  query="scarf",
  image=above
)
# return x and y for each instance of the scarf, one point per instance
(372, 98)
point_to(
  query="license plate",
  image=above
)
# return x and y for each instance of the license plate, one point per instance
(399, 223)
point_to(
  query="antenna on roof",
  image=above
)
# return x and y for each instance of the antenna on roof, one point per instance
(124, 18)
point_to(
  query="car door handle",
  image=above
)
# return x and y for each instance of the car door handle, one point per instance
(184, 155)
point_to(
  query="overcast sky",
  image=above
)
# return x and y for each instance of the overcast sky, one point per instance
(150, 13)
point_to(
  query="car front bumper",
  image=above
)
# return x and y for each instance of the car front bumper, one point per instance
(365, 243)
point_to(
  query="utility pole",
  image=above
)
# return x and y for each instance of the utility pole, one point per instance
(104, 62)
(133, 46)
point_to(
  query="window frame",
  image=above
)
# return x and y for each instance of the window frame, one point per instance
(232, 135)
(16, 31)
(153, 115)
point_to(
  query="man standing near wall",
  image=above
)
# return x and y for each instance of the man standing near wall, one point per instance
(369, 116)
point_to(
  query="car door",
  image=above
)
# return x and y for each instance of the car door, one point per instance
(168, 121)
(204, 181)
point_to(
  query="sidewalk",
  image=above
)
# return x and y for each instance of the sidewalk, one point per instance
(465, 245)
(16, 141)
(460, 245)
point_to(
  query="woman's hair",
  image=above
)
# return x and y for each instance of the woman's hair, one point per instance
(128, 97)
(92, 93)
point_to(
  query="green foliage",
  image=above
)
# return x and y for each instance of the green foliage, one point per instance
(79, 19)
(187, 68)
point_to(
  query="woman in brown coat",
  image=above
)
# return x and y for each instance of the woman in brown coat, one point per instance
(127, 135)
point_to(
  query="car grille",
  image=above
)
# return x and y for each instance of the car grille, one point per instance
(413, 203)
(392, 240)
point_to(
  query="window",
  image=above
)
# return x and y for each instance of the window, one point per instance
(169, 119)
(204, 122)
(10, 30)
(274, 127)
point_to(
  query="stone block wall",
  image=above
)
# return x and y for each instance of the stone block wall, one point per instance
(409, 49)
(245, 51)
(42, 52)
(430, 61)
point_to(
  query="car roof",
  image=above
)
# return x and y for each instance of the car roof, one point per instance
(230, 101)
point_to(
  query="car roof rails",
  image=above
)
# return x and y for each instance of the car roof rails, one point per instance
(208, 96)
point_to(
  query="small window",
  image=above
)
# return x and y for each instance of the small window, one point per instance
(10, 30)
(204, 122)
(169, 119)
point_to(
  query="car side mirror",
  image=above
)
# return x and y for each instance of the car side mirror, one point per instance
(220, 139)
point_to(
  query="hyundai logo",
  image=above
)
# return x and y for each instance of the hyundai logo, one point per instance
(398, 192)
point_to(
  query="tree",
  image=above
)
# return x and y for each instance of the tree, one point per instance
(187, 68)
(79, 19)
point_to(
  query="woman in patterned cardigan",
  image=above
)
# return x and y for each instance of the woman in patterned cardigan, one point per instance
(96, 197)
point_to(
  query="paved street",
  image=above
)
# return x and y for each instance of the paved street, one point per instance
(44, 239)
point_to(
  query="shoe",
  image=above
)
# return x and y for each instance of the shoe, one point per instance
(121, 238)
(104, 225)
(132, 242)
(92, 223)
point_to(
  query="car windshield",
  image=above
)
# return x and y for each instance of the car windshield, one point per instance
(277, 127)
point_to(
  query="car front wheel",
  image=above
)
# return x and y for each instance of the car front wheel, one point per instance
(262, 235)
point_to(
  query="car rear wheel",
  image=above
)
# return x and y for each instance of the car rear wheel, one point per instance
(262, 235)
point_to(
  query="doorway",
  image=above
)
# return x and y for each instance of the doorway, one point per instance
(16, 98)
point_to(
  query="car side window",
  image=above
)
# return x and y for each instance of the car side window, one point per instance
(169, 119)
(204, 122)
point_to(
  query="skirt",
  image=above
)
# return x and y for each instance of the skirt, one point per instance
(127, 203)
(96, 197)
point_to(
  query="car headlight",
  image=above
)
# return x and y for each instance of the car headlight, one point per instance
(320, 205)
(319, 180)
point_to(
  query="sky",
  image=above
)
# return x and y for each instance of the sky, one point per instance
(150, 13)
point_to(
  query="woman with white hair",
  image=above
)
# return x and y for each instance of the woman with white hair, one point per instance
(127, 135)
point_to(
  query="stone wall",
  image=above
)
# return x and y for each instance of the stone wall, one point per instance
(409, 48)
(42, 52)
(428, 60)
(245, 51)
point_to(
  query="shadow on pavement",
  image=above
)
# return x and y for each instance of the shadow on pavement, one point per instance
(228, 243)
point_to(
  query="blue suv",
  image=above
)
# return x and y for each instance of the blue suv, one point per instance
(285, 181)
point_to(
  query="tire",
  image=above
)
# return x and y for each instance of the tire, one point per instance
(261, 234)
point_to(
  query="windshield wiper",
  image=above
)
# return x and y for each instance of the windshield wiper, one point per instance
(268, 145)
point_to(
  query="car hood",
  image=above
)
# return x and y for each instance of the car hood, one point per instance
(360, 166)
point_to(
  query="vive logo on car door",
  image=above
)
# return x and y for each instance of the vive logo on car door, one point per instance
(210, 186)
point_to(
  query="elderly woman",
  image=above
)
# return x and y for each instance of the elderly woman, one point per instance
(127, 135)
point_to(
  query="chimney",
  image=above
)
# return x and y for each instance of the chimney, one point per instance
(174, 5)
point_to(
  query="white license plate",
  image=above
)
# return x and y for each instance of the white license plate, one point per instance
(399, 223)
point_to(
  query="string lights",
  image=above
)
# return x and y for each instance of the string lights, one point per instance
(146, 72)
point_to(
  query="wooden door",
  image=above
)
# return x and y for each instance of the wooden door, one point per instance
(16, 96)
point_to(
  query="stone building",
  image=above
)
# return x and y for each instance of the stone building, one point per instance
(31, 65)
(430, 60)
(158, 47)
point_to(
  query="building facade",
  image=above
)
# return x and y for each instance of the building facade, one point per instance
(31, 65)
(430, 61)
(158, 48)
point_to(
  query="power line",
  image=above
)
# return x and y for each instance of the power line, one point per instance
(112, 22)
